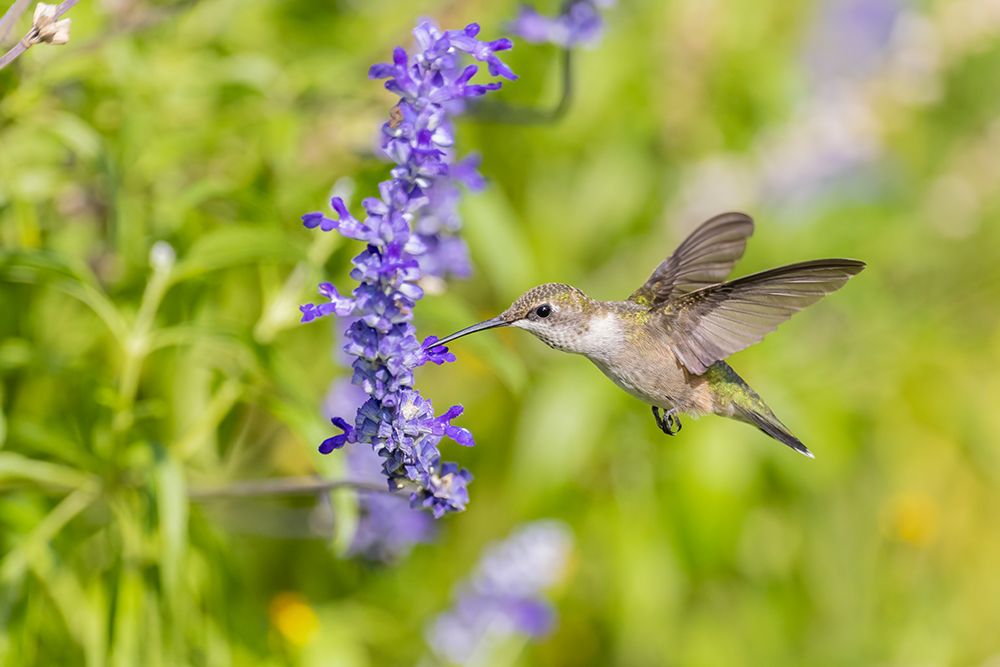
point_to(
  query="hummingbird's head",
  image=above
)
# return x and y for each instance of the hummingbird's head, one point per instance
(556, 313)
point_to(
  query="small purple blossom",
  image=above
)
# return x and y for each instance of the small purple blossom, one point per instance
(337, 304)
(579, 24)
(409, 234)
(504, 596)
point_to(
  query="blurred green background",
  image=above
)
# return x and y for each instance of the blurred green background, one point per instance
(861, 128)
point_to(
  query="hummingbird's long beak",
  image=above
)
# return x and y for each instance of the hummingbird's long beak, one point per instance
(482, 326)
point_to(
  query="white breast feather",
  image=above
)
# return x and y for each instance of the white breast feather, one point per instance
(603, 336)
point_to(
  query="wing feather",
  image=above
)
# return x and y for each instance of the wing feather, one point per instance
(712, 323)
(705, 257)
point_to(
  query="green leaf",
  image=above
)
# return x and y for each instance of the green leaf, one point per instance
(68, 276)
(172, 508)
(13, 566)
(15, 467)
(3, 420)
(75, 133)
(236, 246)
(83, 612)
(126, 647)
(44, 438)
(226, 348)
(200, 432)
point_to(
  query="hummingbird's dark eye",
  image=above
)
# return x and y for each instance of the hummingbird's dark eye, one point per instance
(543, 310)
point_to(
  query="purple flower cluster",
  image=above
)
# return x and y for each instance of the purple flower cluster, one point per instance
(408, 232)
(387, 527)
(504, 596)
(579, 24)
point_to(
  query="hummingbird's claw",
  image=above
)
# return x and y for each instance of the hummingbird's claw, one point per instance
(669, 422)
(673, 423)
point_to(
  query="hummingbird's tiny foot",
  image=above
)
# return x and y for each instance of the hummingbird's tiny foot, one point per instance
(673, 422)
(659, 420)
(669, 423)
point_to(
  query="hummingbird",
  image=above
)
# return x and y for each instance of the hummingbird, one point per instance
(666, 344)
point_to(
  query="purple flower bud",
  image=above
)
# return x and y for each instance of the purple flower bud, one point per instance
(347, 224)
(311, 311)
(338, 441)
(467, 74)
(436, 354)
(317, 219)
(381, 71)
(467, 171)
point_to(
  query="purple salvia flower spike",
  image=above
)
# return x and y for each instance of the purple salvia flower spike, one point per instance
(409, 234)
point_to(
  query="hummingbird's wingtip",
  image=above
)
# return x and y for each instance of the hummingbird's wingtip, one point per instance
(806, 452)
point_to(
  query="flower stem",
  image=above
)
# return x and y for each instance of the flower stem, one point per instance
(496, 112)
(280, 312)
(11, 16)
(285, 486)
(25, 42)
(137, 347)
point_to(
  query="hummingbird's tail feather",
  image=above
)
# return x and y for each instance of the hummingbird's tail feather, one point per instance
(734, 398)
(766, 421)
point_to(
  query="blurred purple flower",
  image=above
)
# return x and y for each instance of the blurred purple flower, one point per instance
(387, 528)
(504, 597)
(579, 23)
(849, 39)
(831, 141)
(406, 238)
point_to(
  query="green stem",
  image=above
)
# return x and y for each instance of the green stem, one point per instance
(512, 115)
(282, 310)
(16, 562)
(222, 402)
(285, 486)
(136, 348)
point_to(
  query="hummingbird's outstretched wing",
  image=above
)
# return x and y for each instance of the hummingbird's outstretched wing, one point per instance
(714, 322)
(704, 258)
